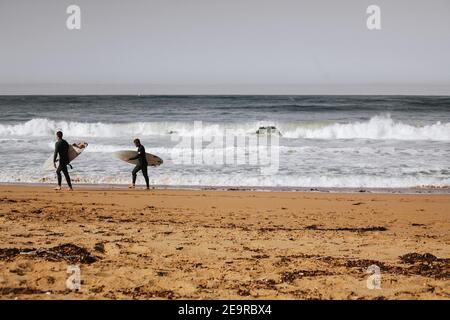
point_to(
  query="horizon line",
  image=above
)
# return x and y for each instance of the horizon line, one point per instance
(142, 89)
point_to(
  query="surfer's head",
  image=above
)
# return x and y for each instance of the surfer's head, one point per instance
(137, 142)
(59, 134)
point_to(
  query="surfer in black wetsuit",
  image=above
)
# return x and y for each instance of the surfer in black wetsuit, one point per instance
(62, 149)
(142, 164)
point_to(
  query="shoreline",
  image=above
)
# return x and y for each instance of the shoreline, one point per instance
(334, 190)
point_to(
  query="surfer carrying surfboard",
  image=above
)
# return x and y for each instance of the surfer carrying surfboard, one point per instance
(141, 165)
(61, 149)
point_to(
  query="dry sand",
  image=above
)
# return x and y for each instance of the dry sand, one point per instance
(222, 244)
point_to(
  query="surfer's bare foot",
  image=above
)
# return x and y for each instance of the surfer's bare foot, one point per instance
(132, 186)
(57, 188)
(69, 189)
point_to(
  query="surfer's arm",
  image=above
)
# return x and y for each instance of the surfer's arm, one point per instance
(134, 158)
(140, 151)
(55, 155)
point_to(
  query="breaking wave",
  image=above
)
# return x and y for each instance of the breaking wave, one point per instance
(381, 127)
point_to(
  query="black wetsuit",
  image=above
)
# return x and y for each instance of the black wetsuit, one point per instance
(62, 149)
(142, 165)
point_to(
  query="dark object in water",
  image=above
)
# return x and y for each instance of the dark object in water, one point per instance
(268, 130)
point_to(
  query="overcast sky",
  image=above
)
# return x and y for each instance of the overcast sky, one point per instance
(225, 46)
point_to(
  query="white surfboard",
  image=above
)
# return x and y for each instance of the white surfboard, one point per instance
(74, 151)
(124, 155)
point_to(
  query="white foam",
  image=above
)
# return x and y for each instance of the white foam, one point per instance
(242, 180)
(378, 128)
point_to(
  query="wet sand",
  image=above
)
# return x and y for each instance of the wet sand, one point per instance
(188, 244)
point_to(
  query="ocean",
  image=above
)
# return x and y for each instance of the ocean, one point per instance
(321, 141)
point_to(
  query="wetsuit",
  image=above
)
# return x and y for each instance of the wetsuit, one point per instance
(62, 149)
(142, 165)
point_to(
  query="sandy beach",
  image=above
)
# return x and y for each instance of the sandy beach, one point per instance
(187, 244)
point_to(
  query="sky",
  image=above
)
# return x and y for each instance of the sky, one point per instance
(225, 47)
